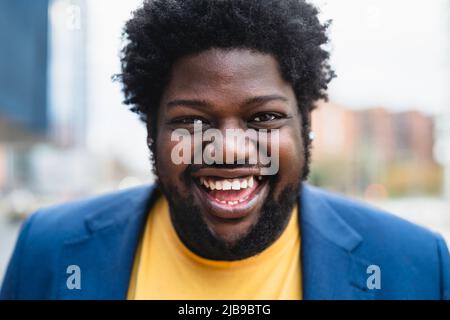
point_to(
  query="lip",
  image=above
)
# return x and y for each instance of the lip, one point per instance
(225, 212)
(227, 173)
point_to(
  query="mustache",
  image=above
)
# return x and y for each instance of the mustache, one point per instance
(191, 171)
(195, 168)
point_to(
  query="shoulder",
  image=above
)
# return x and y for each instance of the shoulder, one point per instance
(43, 235)
(71, 219)
(372, 222)
(410, 256)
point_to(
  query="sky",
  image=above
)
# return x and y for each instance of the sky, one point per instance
(392, 53)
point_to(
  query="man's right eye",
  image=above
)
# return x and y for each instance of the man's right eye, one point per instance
(190, 121)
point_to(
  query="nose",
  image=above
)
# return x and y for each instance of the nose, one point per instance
(239, 145)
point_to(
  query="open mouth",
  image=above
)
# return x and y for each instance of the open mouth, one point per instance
(231, 197)
(231, 191)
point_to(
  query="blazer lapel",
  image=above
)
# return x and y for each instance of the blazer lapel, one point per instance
(330, 269)
(105, 254)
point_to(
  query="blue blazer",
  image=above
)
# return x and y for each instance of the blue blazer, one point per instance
(341, 242)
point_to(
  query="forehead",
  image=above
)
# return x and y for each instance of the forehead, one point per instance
(219, 72)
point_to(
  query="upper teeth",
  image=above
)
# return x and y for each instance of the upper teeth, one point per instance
(228, 184)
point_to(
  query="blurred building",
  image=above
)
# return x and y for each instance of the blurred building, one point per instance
(63, 130)
(67, 72)
(42, 101)
(23, 64)
(405, 135)
(442, 150)
(23, 84)
(354, 150)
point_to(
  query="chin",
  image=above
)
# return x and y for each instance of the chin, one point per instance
(230, 215)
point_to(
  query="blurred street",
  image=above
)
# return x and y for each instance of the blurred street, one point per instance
(8, 234)
(434, 213)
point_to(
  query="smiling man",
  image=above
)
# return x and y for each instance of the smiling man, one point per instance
(225, 219)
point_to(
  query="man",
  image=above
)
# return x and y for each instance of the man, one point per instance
(225, 220)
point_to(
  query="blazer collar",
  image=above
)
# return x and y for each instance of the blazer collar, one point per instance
(330, 267)
(106, 252)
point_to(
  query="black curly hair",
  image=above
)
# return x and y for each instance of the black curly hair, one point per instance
(163, 31)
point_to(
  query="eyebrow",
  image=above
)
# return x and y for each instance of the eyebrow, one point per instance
(258, 100)
(188, 103)
(265, 99)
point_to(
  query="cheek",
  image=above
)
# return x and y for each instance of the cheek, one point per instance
(290, 150)
(168, 172)
(292, 159)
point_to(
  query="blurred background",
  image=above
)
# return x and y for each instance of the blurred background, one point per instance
(383, 137)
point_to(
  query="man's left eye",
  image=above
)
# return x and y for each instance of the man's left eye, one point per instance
(265, 117)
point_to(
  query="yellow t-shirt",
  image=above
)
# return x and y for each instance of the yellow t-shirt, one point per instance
(164, 268)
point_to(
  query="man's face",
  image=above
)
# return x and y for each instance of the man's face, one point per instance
(229, 89)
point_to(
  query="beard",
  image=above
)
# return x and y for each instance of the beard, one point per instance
(193, 231)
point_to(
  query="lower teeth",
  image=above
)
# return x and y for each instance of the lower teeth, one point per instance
(232, 202)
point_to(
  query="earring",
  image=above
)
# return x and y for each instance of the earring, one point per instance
(312, 135)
